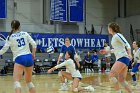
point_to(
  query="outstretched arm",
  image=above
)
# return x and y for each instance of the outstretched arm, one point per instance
(77, 61)
(51, 70)
(58, 66)
(59, 58)
(5, 47)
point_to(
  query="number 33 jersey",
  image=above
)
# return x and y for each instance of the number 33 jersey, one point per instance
(19, 44)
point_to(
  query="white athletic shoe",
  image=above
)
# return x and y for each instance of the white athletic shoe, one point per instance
(90, 88)
(64, 88)
(119, 91)
(134, 83)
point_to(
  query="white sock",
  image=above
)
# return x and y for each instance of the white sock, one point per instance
(86, 88)
(64, 84)
(119, 91)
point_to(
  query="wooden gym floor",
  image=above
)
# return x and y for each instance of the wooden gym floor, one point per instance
(49, 83)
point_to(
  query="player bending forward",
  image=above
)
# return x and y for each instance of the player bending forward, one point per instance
(73, 74)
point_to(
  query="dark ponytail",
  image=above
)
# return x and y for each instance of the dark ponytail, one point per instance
(10, 33)
(15, 24)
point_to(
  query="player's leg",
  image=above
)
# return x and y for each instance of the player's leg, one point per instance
(115, 70)
(28, 72)
(122, 79)
(76, 83)
(134, 70)
(28, 79)
(75, 87)
(64, 75)
(17, 75)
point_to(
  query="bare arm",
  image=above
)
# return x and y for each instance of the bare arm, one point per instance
(129, 53)
(34, 53)
(58, 66)
(51, 70)
(77, 61)
(59, 58)
(32, 42)
(5, 47)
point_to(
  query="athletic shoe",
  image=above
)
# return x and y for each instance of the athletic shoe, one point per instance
(63, 88)
(134, 83)
(90, 88)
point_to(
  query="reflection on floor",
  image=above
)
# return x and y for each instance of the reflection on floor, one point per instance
(50, 83)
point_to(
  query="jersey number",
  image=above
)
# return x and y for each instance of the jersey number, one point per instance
(21, 42)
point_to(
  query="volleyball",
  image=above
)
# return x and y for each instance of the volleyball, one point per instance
(50, 49)
(102, 51)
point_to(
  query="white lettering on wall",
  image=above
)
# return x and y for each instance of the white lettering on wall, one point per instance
(98, 43)
(61, 42)
(50, 42)
(43, 43)
(79, 42)
(103, 41)
(92, 42)
(73, 42)
(87, 41)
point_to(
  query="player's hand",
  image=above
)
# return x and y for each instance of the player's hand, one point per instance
(102, 51)
(49, 71)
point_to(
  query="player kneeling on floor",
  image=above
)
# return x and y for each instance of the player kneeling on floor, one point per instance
(73, 74)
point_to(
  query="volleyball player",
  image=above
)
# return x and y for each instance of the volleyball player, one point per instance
(136, 63)
(73, 74)
(68, 47)
(64, 49)
(19, 42)
(119, 69)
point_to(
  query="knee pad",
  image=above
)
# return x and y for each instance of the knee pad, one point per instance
(124, 84)
(30, 85)
(59, 73)
(17, 84)
(75, 90)
(113, 80)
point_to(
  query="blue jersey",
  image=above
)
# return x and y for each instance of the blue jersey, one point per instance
(64, 49)
(88, 59)
(94, 58)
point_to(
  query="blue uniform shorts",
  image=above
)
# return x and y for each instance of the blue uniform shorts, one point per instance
(124, 60)
(78, 78)
(25, 60)
(135, 68)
